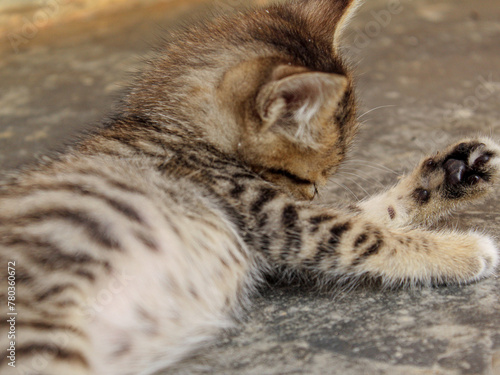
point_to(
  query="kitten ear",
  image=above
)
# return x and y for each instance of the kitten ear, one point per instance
(329, 18)
(299, 106)
(349, 8)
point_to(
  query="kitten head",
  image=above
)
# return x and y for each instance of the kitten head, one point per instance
(267, 86)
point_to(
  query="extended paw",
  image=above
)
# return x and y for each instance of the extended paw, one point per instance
(465, 258)
(488, 256)
(464, 171)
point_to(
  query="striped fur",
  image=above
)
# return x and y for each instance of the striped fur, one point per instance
(138, 245)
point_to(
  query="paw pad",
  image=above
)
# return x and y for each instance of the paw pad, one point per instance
(455, 171)
(482, 160)
(422, 196)
(466, 166)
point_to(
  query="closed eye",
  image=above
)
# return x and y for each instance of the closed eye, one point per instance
(293, 177)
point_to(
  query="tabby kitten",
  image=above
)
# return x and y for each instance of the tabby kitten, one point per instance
(139, 244)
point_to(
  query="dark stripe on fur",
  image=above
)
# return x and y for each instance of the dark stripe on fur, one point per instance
(46, 326)
(148, 242)
(55, 254)
(361, 240)
(96, 230)
(109, 181)
(125, 209)
(374, 249)
(328, 250)
(49, 255)
(322, 252)
(58, 289)
(86, 275)
(265, 196)
(265, 240)
(237, 191)
(233, 215)
(244, 176)
(370, 251)
(131, 143)
(234, 258)
(316, 221)
(23, 277)
(290, 217)
(71, 356)
(336, 233)
(293, 235)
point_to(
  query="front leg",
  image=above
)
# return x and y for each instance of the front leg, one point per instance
(461, 174)
(385, 238)
(340, 245)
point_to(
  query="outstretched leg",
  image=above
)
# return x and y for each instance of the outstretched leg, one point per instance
(385, 238)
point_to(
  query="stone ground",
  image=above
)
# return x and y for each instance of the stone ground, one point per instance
(431, 65)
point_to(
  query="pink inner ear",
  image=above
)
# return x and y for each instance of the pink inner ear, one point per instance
(298, 97)
(306, 94)
(304, 98)
(291, 105)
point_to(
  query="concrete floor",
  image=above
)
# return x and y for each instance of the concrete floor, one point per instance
(433, 65)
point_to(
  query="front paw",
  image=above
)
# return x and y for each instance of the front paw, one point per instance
(487, 256)
(464, 258)
(465, 171)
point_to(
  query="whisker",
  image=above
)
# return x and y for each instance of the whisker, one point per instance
(379, 169)
(374, 109)
(366, 175)
(346, 188)
(373, 165)
(364, 179)
(358, 185)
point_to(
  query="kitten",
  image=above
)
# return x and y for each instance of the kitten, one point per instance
(136, 246)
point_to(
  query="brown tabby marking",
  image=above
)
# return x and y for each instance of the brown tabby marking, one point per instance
(136, 246)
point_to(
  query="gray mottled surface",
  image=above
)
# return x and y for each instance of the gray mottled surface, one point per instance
(435, 63)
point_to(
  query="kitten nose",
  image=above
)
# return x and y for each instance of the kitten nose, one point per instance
(455, 170)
